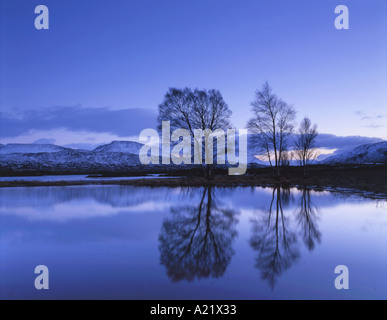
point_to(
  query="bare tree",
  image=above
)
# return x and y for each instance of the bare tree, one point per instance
(273, 124)
(285, 160)
(305, 144)
(196, 109)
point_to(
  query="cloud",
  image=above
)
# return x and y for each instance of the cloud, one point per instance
(83, 146)
(374, 126)
(365, 116)
(331, 141)
(371, 121)
(44, 141)
(123, 123)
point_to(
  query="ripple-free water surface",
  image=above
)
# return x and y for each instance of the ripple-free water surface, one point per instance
(190, 243)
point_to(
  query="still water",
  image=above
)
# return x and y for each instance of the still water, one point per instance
(190, 243)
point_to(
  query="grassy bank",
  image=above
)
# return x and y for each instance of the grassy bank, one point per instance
(365, 178)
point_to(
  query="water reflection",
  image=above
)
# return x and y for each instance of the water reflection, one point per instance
(275, 243)
(307, 218)
(275, 237)
(196, 241)
(128, 230)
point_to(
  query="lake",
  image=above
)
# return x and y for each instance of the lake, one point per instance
(125, 242)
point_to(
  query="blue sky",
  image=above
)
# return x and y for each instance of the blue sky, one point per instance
(100, 71)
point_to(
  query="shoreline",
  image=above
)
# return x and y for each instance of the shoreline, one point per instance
(364, 179)
(374, 191)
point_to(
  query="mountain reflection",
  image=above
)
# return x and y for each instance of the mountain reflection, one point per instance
(196, 242)
(275, 237)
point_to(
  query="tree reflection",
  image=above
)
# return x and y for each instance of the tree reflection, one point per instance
(275, 236)
(196, 242)
(307, 220)
(276, 245)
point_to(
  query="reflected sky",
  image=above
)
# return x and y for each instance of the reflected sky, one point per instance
(190, 243)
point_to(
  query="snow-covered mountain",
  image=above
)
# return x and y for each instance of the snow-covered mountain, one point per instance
(118, 156)
(29, 148)
(52, 158)
(122, 156)
(367, 153)
(120, 146)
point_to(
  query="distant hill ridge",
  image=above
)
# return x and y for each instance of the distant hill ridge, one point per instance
(117, 157)
(120, 146)
(51, 158)
(115, 146)
(29, 148)
(122, 156)
(367, 153)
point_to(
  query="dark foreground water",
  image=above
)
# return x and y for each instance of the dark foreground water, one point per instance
(200, 243)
